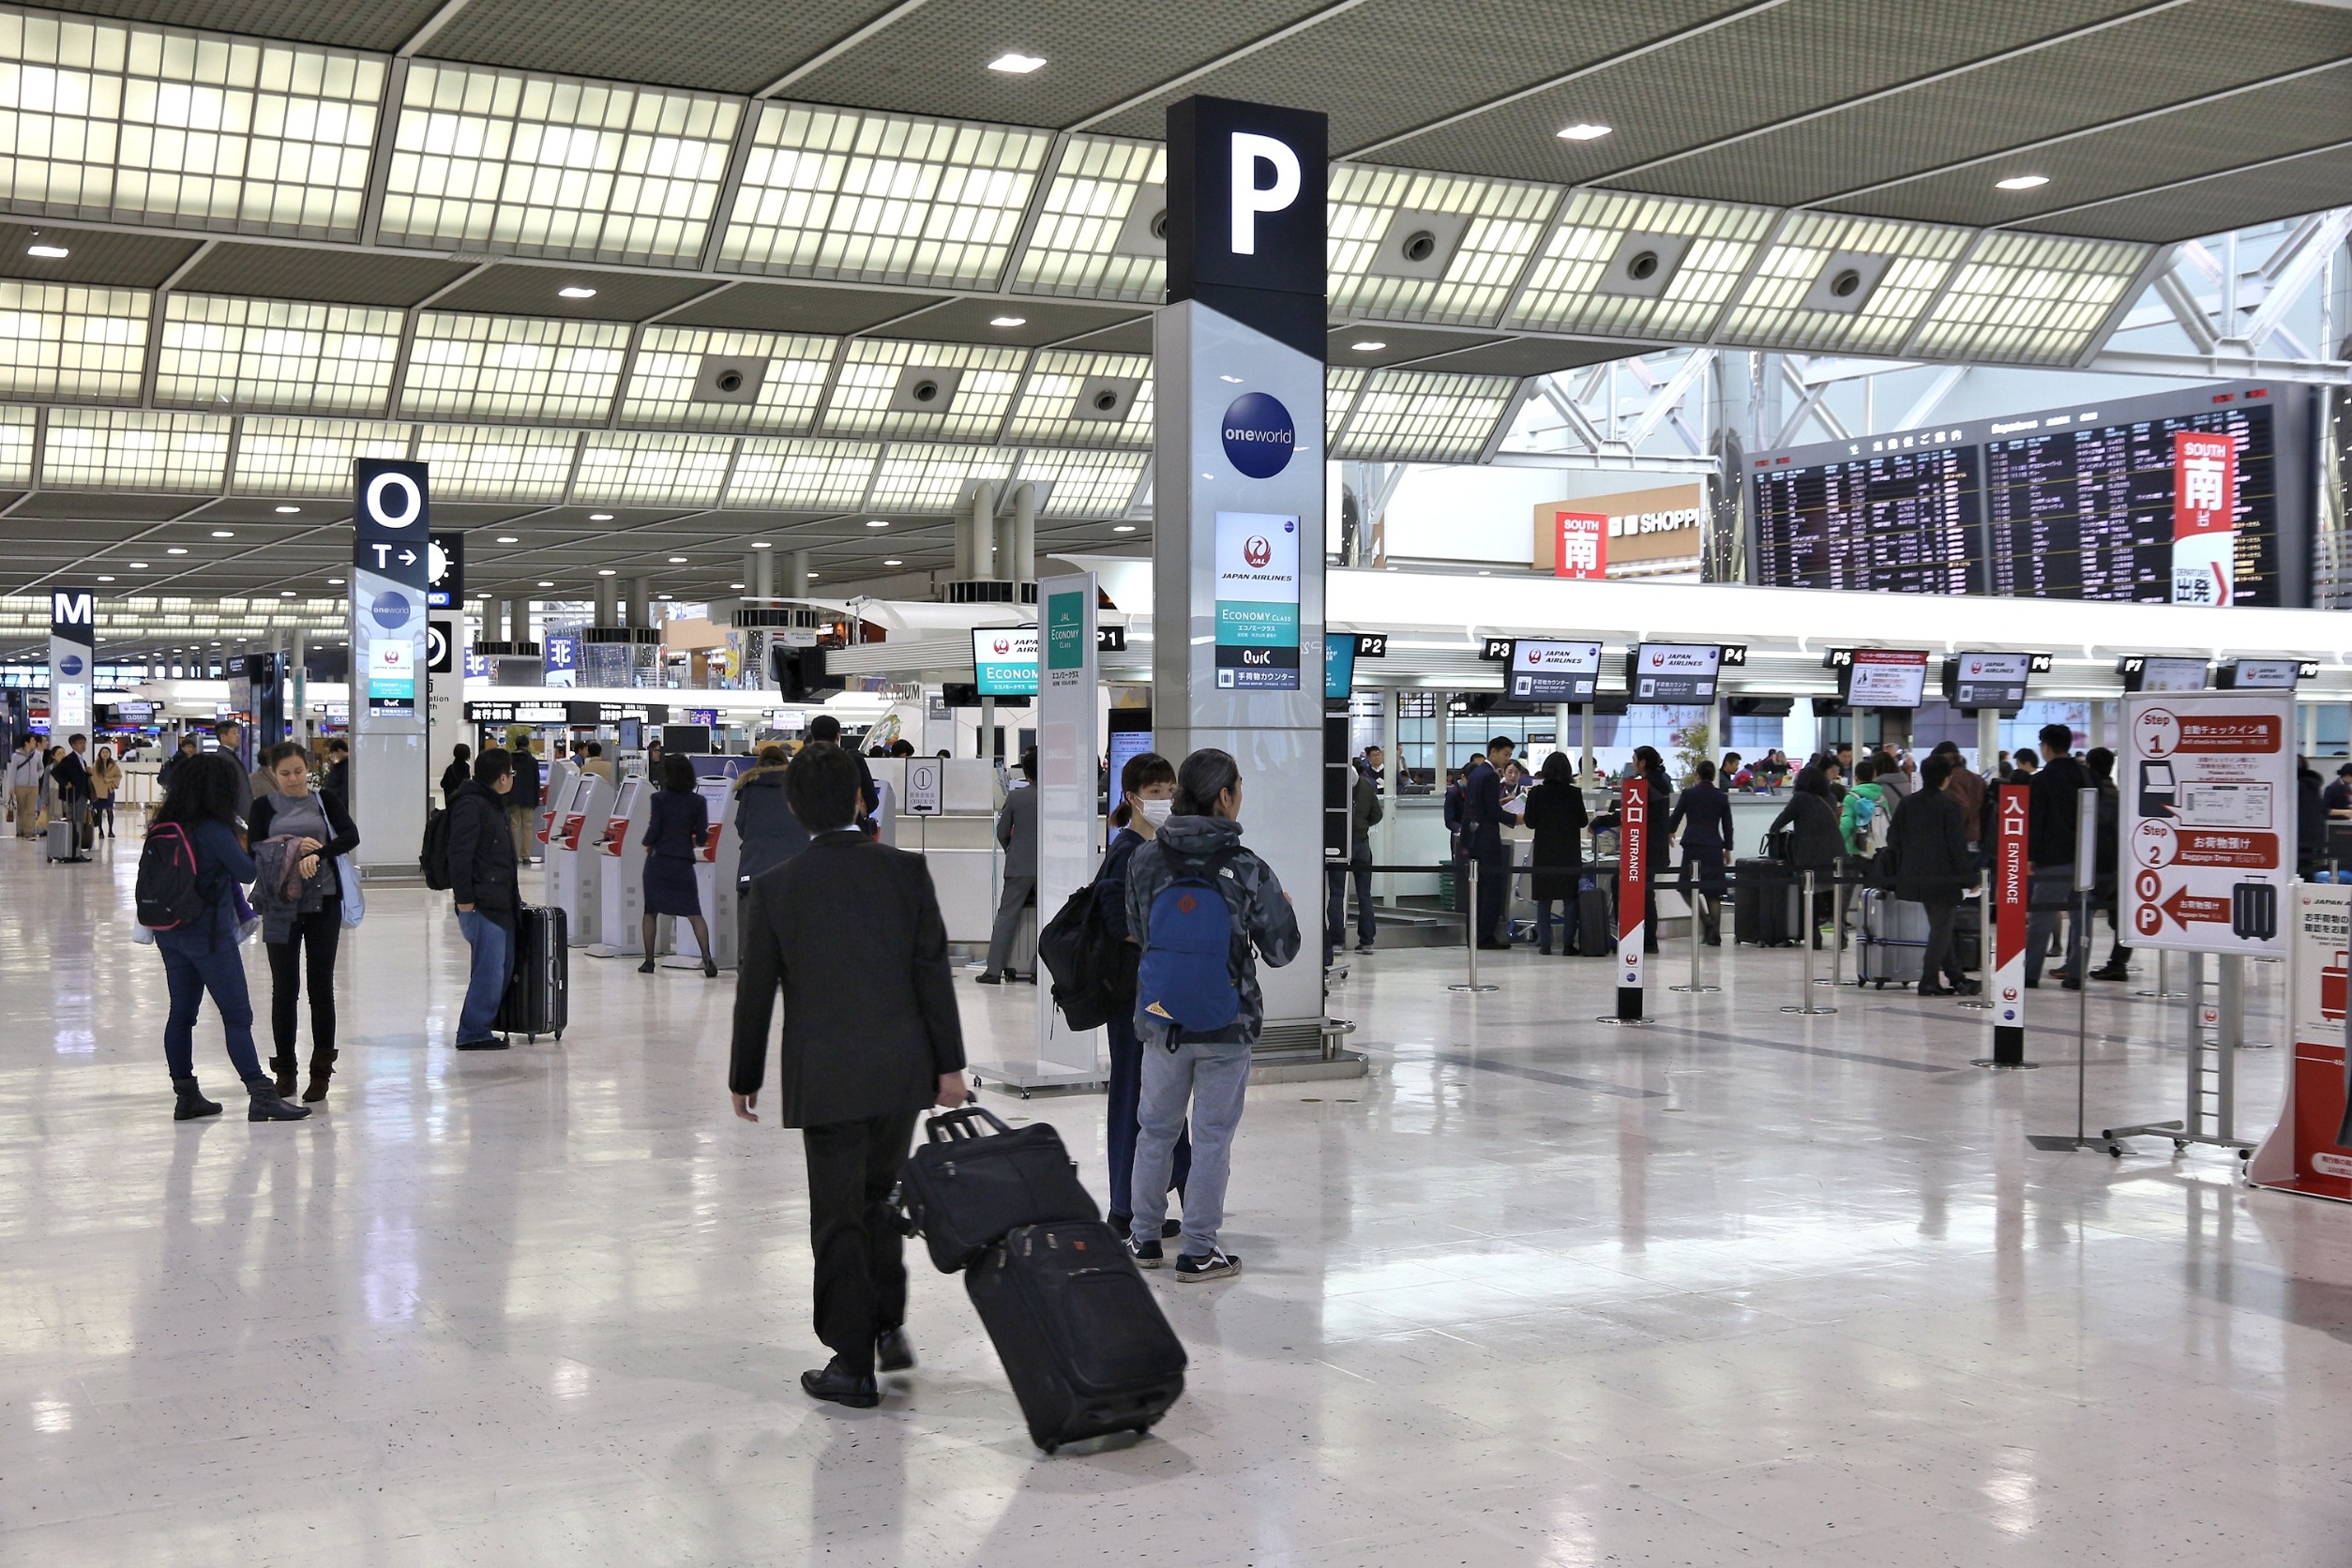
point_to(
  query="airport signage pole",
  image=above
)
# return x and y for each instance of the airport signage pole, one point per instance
(1632, 895)
(72, 661)
(2006, 929)
(1237, 545)
(390, 569)
(1069, 697)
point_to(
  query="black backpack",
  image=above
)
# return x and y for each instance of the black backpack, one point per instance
(169, 893)
(434, 857)
(1093, 971)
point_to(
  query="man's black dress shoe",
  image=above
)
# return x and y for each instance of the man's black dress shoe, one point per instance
(853, 1388)
(892, 1353)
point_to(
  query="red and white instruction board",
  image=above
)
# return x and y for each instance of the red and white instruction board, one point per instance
(2208, 820)
(2311, 1149)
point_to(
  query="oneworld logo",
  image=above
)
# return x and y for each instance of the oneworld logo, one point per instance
(390, 611)
(1258, 435)
(69, 665)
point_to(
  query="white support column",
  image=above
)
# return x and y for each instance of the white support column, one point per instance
(983, 561)
(1024, 533)
(1988, 741)
(795, 582)
(1390, 772)
(761, 583)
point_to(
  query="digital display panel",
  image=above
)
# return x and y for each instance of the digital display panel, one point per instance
(1886, 678)
(1906, 522)
(1988, 680)
(1545, 672)
(1004, 660)
(2263, 674)
(2088, 513)
(1339, 665)
(1673, 673)
(2163, 674)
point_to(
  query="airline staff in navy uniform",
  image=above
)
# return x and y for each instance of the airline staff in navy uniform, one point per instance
(1481, 801)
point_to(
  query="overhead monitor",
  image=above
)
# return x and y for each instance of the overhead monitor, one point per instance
(1541, 671)
(2142, 673)
(1339, 664)
(1004, 660)
(1884, 678)
(1987, 680)
(2258, 675)
(1673, 673)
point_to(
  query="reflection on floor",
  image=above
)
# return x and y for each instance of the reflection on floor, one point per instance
(1737, 1287)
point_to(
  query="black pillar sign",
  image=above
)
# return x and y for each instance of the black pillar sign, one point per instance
(391, 563)
(1246, 208)
(444, 574)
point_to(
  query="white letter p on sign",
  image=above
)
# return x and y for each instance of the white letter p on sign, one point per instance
(1249, 196)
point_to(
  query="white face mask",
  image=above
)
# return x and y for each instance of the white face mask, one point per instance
(1156, 811)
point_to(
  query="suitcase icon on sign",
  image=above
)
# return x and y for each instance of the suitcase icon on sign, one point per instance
(2332, 988)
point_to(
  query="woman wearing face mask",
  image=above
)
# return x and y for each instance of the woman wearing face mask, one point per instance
(1147, 790)
(297, 831)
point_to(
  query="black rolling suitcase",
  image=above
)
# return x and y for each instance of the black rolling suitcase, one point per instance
(1084, 1344)
(538, 998)
(1597, 923)
(963, 1189)
(1764, 896)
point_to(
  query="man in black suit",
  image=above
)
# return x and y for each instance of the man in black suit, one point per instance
(1481, 810)
(850, 930)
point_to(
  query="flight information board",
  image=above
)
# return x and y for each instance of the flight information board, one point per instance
(1906, 522)
(2088, 513)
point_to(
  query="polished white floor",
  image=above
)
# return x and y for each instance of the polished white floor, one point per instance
(1740, 1287)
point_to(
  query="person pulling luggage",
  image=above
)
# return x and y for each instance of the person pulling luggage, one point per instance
(1203, 910)
(1929, 843)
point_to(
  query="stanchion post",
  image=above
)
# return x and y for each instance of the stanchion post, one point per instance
(2005, 898)
(1805, 1004)
(1469, 931)
(1694, 986)
(1633, 898)
(1837, 936)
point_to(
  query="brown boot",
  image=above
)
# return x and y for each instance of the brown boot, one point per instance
(321, 1069)
(283, 1066)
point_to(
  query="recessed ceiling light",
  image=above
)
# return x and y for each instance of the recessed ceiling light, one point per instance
(138, 565)
(547, 584)
(106, 579)
(606, 571)
(1582, 131)
(1008, 320)
(509, 539)
(334, 583)
(224, 533)
(285, 593)
(877, 522)
(762, 544)
(573, 291)
(288, 511)
(2021, 182)
(814, 574)
(1122, 527)
(892, 563)
(668, 595)
(174, 550)
(734, 585)
(677, 560)
(47, 252)
(1014, 64)
(1371, 345)
(600, 516)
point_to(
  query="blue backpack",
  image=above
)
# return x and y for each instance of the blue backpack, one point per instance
(1186, 977)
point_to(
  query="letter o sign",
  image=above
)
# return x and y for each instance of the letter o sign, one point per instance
(412, 500)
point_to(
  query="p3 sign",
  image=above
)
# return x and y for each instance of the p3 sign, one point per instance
(391, 521)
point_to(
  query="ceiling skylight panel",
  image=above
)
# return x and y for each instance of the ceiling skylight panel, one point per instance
(973, 387)
(2033, 299)
(513, 367)
(1424, 417)
(61, 340)
(311, 456)
(1592, 275)
(131, 449)
(1101, 224)
(1085, 400)
(667, 384)
(932, 478)
(498, 463)
(638, 468)
(275, 354)
(802, 476)
(16, 445)
(539, 166)
(1410, 246)
(1774, 311)
(882, 197)
(127, 124)
(1341, 384)
(1085, 484)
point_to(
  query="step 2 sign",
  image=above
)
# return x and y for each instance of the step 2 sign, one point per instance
(2208, 819)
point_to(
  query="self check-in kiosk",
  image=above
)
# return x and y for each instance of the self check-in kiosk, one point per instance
(715, 860)
(620, 885)
(555, 785)
(588, 800)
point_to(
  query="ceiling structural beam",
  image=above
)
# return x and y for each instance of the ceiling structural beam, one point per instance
(432, 29)
(156, 308)
(1031, 211)
(1160, 90)
(1608, 462)
(1823, 372)
(729, 186)
(2293, 268)
(839, 46)
(1510, 419)
(409, 319)
(123, 545)
(1579, 423)
(2223, 364)
(1668, 40)
(1809, 406)
(380, 151)
(1946, 380)
(2187, 311)
(2158, 190)
(1665, 400)
(2157, 263)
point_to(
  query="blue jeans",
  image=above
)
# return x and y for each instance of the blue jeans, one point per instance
(190, 970)
(1126, 1088)
(493, 944)
(1213, 1079)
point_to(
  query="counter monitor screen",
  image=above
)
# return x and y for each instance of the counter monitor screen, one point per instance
(1554, 671)
(2263, 674)
(1339, 664)
(1004, 660)
(1885, 678)
(2164, 674)
(1988, 680)
(1673, 673)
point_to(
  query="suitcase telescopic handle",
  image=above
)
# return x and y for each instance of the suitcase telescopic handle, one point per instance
(952, 1125)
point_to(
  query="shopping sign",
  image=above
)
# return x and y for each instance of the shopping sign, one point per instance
(2208, 820)
(2009, 892)
(2204, 517)
(1579, 544)
(1633, 891)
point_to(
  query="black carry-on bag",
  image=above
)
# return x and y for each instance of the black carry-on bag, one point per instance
(1084, 1344)
(964, 1188)
(538, 998)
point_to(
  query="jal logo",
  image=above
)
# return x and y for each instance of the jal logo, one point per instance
(1258, 435)
(69, 665)
(390, 610)
(390, 659)
(2009, 993)
(1257, 550)
(1002, 646)
(1656, 660)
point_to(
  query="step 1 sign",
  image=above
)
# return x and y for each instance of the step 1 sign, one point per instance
(2207, 820)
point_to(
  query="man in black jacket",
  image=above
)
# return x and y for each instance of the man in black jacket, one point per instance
(523, 799)
(1704, 815)
(850, 930)
(1929, 841)
(1483, 841)
(483, 880)
(2053, 799)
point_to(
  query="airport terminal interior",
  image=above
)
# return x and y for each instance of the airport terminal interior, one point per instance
(1786, 990)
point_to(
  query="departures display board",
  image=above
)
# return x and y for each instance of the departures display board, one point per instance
(2079, 503)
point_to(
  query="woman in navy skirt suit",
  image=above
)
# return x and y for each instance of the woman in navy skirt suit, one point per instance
(673, 832)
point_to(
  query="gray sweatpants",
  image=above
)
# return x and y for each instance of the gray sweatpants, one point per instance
(1211, 1078)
